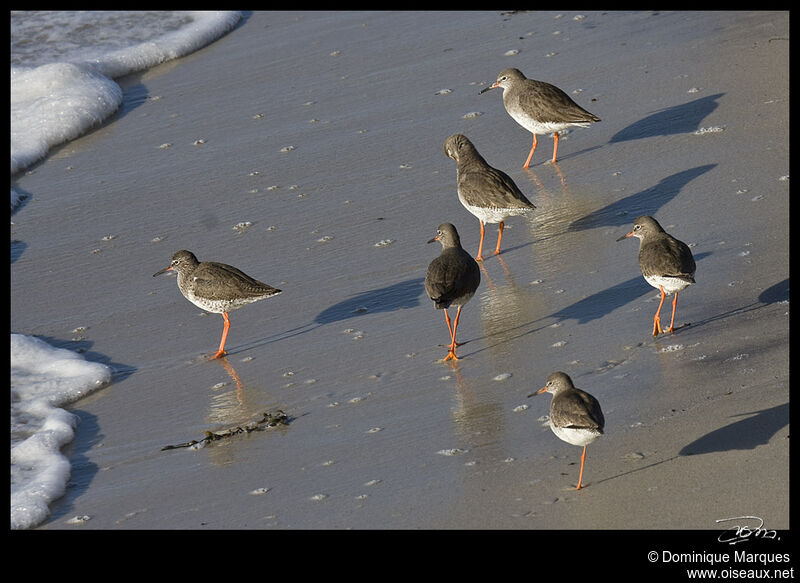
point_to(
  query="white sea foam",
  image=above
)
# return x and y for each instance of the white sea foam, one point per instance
(63, 66)
(43, 379)
(62, 87)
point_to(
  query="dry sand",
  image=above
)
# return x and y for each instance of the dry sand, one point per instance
(325, 132)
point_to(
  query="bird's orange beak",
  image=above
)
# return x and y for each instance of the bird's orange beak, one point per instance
(539, 392)
(170, 268)
(625, 236)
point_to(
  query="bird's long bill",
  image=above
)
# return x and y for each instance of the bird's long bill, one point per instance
(163, 271)
(485, 89)
(539, 392)
(625, 236)
(436, 238)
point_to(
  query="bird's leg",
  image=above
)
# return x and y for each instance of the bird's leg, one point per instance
(528, 161)
(449, 328)
(221, 350)
(453, 344)
(499, 238)
(657, 318)
(480, 245)
(674, 306)
(555, 146)
(583, 459)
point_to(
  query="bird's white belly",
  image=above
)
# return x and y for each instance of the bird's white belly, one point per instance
(670, 284)
(546, 127)
(491, 214)
(575, 436)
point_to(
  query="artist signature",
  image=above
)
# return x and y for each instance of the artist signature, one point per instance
(742, 532)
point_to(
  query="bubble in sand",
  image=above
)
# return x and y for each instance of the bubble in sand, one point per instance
(165, 146)
(317, 497)
(79, 519)
(443, 91)
(259, 491)
(511, 53)
(473, 114)
(709, 130)
(672, 348)
(502, 376)
(452, 451)
(287, 149)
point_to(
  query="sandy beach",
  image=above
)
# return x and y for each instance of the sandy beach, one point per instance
(307, 150)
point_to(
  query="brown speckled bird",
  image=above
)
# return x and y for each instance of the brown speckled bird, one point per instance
(575, 415)
(539, 107)
(216, 287)
(666, 263)
(488, 193)
(452, 279)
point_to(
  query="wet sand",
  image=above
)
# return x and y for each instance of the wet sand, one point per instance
(306, 149)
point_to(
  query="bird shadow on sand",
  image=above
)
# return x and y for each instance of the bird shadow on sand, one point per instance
(756, 429)
(602, 303)
(678, 119)
(774, 294)
(584, 311)
(645, 202)
(398, 296)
